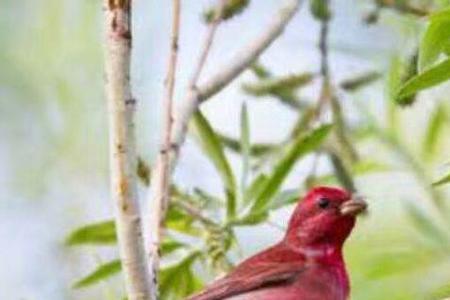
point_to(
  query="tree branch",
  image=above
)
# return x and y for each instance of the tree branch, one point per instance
(250, 53)
(212, 28)
(196, 94)
(123, 158)
(162, 182)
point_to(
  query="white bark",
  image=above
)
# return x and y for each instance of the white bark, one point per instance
(162, 182)
(123, 159)
(194, 96)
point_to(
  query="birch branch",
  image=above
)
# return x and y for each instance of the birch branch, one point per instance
(123, 158)
(243, 59)
(163, 165)
(250, 53)
(197, 94)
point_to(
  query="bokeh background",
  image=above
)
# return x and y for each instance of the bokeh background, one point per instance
(54, 155)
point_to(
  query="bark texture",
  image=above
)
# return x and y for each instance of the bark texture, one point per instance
(123, 160)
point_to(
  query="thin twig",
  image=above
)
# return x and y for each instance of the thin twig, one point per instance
(327, 95)
(223, 77)
(123, 159)
(193, 212)
(163, 182)
(250, 53)
(325, 91)
(211, 32)
(196, 94)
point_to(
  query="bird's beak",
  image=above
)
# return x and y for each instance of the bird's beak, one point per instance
(354, 206)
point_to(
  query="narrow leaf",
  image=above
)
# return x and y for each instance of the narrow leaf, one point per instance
(177, 280)
(301, 146)
(255, 187)
(250, 219)
(429, 78)
(426, 225)
(260, 71)
(102, 272)
(255, 149)
(102, 233)
(442, 181)
(320, 9)
(285, 198)
(231, 9)
(342, 173)
(212, 147)
(407, 70)
(433, 43)
(275, 86)
(441, 16)
(168, 246)
(245, 146)
(435, 128)
(361, 81)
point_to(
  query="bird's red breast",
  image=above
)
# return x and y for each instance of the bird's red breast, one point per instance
(307, 264)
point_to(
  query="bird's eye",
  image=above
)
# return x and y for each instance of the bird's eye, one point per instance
(323, 203)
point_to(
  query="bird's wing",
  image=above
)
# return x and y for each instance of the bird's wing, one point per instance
(257, 272)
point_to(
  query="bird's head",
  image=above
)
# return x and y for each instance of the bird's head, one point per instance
(325, 217)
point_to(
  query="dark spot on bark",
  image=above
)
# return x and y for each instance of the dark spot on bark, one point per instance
(126, 34)
(111, 4)
(114, 23)
(120, 148)
(130, 102)
(172, 147)
(175, 45)
(121, 4)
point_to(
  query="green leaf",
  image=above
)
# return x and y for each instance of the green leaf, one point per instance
(212, 147)
(435, 128)
(255, 188)
(429, 78)
(102, 233)
(255, 149)
(441, 293)
(283, 88)
(397, 262)
(143, 171)
(276, 86)
(433, 43)
(441, 16)
(285, 198)
(442, 181)
(426, 226)
(300, 147)
(102, 272)
(360, 81)
(245, 146)
(406, 71)
(250, 219)
(446, 49)
(320, 9)
(260, 71)
(231, 9)
(168, 246)
(342, 173)
(363, 167)
(181, 222)
(178, 281)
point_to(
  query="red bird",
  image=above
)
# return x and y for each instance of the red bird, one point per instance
(307, 264)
